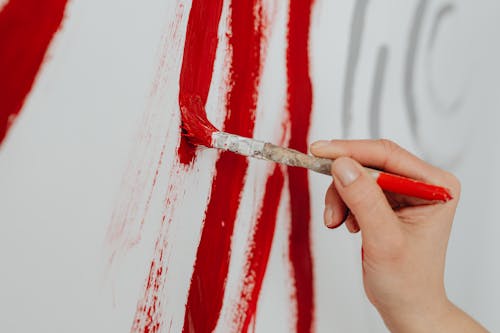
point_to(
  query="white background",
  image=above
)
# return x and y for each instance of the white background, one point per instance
(105, 103)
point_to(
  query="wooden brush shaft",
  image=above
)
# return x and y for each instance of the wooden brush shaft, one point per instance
(295, 158)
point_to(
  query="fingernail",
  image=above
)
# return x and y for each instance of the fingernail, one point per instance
(320, 144)
(346, 171)
(328, 216)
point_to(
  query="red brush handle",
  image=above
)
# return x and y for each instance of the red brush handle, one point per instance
(402, 185)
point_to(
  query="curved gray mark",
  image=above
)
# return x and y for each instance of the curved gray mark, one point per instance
(409, 73)
(377, 91)
(446, 10)
(357, 30)
(439, 105)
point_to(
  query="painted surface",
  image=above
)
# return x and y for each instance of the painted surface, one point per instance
(128, 228)
(27, 28)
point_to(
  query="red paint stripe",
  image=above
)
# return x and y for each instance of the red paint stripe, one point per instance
(260, 250)
(26, 29)
(299, 101)
(208, 282)
(198, 61)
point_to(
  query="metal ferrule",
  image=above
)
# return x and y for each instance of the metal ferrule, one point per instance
(238, 144)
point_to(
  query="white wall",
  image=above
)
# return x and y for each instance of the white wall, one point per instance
(104, 106)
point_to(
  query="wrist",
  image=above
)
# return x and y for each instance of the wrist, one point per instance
(444, 317)
(419, 318)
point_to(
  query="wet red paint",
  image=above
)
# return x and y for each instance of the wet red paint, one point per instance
(299, 100)
(195, 125)
(198, 61)
(26, 29)
(259, 250)
(211, 266)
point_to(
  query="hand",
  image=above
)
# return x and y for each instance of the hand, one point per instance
(404, 239)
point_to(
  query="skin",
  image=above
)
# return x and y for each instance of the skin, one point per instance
(404, 239)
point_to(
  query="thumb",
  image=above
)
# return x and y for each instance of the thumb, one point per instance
(365, 199)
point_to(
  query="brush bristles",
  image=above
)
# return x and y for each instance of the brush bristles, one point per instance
(196, 128)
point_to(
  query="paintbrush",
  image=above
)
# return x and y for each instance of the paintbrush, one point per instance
(198, 130)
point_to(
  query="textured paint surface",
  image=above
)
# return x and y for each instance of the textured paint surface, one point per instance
(299, 92)
(27, 28)
(211, 266)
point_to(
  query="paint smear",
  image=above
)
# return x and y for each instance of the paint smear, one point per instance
(26, 29)
(211, 266)
(200, 49)
(299, 102)
(148, 317)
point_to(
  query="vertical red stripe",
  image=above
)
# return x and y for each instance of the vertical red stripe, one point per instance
(198, 61)
(299, 99)
(26, 30)
(260, 250)
(208, 282)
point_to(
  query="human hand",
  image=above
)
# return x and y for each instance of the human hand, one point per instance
(404, 239)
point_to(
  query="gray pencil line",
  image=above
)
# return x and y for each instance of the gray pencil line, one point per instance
(377, 91)
(356, 36)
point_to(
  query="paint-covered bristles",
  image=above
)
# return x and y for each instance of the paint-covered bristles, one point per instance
(196, 128)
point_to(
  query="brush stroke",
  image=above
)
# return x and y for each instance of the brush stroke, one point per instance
(259, 251)
(353, 55)
(27, 28)
(198, 60)
(299, 106)
(211, 266)
(203, 22)
(378, 90)
(148, 315)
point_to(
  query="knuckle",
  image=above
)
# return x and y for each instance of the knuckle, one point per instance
(390, 148)
(389, 145)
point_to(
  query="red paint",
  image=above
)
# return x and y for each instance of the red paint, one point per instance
(299, 100)
(196, 128)
(411, 187)
(26, 29)
(259, 250)
(208, 282)
(198, 62)
(148, 315)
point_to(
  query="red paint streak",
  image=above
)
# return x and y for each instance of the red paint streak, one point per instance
(299, 100)
(414, 188)
(260, 250)
(212, 259)
(147, 318)
(198, 61)
(26, 29)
